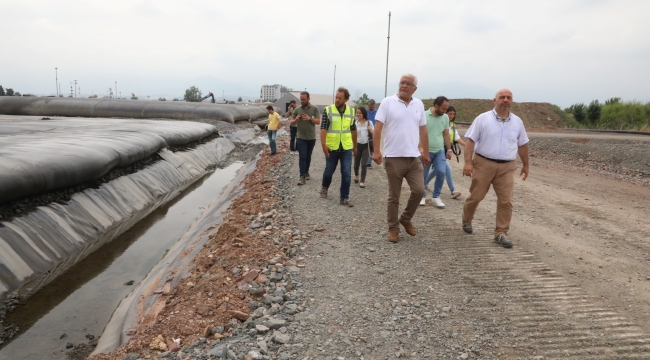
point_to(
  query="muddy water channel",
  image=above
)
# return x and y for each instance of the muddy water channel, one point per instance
(77, 305)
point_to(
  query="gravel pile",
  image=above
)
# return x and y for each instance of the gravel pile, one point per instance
(618, 158)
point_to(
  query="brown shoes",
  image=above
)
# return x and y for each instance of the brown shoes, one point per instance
(408, 226)
(393, 236)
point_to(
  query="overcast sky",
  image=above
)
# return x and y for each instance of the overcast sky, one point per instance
(558, 51)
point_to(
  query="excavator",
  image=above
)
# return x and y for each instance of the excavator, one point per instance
(207, 96)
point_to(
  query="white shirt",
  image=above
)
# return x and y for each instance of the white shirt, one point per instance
(402, 126)
(497, 139)
(362, 132)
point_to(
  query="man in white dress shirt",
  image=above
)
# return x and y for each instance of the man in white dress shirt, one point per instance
(495, 137)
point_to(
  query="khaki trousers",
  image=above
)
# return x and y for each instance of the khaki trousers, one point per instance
(502, 178)
(397, 169)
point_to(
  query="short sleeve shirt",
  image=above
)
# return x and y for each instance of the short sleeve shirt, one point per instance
(274, 121)
(371, 115)
(402, 123)
(436, 125)
(306, 129)
(497, 139)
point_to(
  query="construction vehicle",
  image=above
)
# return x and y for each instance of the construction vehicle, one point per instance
(207, 96)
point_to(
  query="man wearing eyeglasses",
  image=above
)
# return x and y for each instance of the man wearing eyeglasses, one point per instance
(402, 118)
(495, 137)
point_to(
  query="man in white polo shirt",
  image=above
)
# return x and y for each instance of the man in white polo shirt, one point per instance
(495, 137)
(401, 116)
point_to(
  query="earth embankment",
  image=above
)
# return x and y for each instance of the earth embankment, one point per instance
(535, 115)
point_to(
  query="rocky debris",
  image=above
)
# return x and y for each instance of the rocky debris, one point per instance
(622, 159)
(158, 343)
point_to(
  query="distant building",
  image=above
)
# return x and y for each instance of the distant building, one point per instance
(317, 100)
(273, 92)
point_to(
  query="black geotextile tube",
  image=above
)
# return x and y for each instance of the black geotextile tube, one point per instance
(44, 155)
(140, 109)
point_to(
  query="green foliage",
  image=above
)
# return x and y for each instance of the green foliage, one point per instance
(17, 94)
(571, 122)
(176, 99)
(240, 99)
(162, 99)
(363, 100)
(10, 92)
(94, 96)
(134, 97)
(614, 100)
(593, 111)
(2, 91)
(579, 112)
(192, 94)
(632, 115)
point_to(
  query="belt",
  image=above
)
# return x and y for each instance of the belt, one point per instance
(495, 160)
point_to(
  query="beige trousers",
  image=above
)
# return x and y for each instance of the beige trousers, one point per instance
(397, 169)
(502, 178)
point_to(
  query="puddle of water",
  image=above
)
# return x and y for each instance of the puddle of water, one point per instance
(82, 300)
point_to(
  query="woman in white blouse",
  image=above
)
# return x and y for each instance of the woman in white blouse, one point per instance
(364, 134)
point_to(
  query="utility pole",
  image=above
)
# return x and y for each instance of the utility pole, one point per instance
(56, 84)
(71, 91)
(387, 50)
(333, 88)
(116, 89)
(60, 93)
(75, 88)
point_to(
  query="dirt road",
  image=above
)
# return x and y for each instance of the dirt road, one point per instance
(575, 285)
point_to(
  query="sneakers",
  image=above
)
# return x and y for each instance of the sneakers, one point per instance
(393, 236)
(455, 194)
(345, 202)
(423, 202)
(301, 181)
(307, 177)
(438, 203)
(467, 227)
(408, 226)
(323, 193)
(502, 239)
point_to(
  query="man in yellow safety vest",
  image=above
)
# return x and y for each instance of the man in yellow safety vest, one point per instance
(338, 137)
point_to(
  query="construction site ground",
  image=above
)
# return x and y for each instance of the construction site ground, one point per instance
(575, 285)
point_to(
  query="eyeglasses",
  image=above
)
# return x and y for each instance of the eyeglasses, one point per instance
(406, 83)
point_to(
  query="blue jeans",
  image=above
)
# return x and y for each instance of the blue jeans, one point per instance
(450, 180)
(292, 142)
(438, 168)
(345, 157)
(305, 148)
(272, 135)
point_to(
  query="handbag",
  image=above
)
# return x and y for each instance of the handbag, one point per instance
(371, 145)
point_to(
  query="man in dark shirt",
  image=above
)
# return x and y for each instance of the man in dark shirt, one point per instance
(305, 117)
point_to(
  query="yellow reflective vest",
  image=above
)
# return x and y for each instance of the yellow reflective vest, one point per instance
(339, 129)
(452, 132)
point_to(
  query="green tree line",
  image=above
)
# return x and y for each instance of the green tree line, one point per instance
(614, 114)
(8, 92)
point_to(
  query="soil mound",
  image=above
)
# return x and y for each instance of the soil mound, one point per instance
(534, 115)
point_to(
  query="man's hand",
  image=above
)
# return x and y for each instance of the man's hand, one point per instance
(354, 150)
(524, 172)
(425, 158)
(468, 169)
(376, 157)
(448, 155)
(326, 150)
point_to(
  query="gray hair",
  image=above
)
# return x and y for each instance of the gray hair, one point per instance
(415, 78)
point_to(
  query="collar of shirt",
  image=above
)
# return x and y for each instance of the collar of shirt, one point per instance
(396, 97)
(498, 118)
